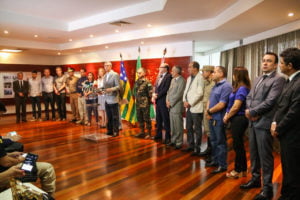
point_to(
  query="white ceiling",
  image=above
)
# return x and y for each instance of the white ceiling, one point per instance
(210, 23)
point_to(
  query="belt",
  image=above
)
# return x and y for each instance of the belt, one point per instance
(48, 92)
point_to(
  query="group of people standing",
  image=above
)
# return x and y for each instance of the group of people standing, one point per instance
(270, 107)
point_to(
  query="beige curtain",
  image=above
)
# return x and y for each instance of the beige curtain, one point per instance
(250, 55)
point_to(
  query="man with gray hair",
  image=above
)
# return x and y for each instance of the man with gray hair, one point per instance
(111, 85)
(175, 105)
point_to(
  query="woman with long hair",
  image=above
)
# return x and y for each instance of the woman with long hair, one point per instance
(235, 113)
(101, 99)
(91, 98)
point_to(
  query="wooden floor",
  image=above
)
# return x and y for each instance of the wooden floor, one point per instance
(126, 167)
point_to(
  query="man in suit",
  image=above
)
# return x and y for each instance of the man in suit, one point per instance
(20, 88)
(260, 102)
(175, 104)
(111, 85)
(193, 103)
(162, 113)
(286, 124)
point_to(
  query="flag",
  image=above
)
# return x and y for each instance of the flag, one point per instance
(138, 66)
(128, 111)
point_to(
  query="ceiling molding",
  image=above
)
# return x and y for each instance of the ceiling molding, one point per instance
(122, 13)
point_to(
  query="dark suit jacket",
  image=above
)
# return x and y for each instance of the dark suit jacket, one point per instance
(162, 89)
(260, 101)
(288, 113)
(17, 88)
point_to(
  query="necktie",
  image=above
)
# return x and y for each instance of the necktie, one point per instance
(160, 79)
(260, 81)
(21, 84)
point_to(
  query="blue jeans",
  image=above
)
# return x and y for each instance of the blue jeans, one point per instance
(218, 143)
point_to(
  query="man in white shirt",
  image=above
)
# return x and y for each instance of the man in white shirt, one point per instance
(35, 92)
(48, 96)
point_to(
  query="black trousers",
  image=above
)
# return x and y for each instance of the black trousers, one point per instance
(112, 112)
(162, 120)
(49, 99)
(290, 169)
(239, 125)
(20, 103)
(36, 103)
(61, 105)
(194, 128)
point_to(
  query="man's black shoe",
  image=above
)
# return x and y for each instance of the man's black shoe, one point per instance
(140, 135)
(178, 147)
(166, 141)
(188, 149)
(171, 144)
(251, 184)
(109, 133)
(202, 154)
(211, 164)
(263, 195)
(218, 170)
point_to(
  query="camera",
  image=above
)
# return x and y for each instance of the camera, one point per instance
(29, 167)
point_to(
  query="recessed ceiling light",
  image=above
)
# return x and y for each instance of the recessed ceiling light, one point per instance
(58, 53)
(70, 40)
(291, 14)
(36, 36)
(117, 31)
(5, 32)
(106, 47)
(142, 42)
(149, 25)
(80, 50)
(91, 35)
(11, 50)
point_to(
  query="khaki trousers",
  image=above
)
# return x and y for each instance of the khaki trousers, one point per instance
(74, 106)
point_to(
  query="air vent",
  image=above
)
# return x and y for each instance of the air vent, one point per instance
(120, 23)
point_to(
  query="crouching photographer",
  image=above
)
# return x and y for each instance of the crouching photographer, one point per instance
(10, 167)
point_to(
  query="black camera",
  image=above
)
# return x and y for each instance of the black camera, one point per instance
(29, 166)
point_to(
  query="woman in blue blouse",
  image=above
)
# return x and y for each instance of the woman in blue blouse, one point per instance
(235, 113)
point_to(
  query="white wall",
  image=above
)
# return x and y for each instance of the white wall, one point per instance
(22, 58)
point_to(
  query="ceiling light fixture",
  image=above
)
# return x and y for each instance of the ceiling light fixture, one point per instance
(36, 36)
(291, 14)
(142, 42)
(58, 53)
(70, 40)
(91, 36)
(106, 47)
(149, 25)
(80, 50)
(117, 31)
(5, 32)
(11, 50)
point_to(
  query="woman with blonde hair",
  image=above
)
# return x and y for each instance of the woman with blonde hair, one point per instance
(101, 99)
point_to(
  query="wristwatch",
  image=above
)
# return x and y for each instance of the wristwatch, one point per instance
(208, 112)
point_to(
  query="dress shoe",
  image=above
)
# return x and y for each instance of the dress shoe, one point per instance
(157, 138)
(202, 154)
(251, 184)
(178, 147)
(208, 159)
(108, 133)
(264, 195)
(53, 119)
(140, 135)
(171, 144)
(211, 164)
(188, 149)
(218, 170)
(73, 120)
(206, 152)
(235, 174)
(166, 141)
(115, 134)
(195, 153)
(24, 120)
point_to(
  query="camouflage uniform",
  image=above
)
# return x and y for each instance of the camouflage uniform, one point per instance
(208, 85)
(143, 93)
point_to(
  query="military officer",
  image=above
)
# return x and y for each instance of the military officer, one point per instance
(143, 93)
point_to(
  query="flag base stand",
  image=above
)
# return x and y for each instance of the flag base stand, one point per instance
(95, 137)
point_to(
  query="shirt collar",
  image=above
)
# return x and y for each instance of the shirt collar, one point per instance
(291, 77)
(221, 82)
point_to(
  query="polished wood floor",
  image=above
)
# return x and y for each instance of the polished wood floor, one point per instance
(126, 167)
